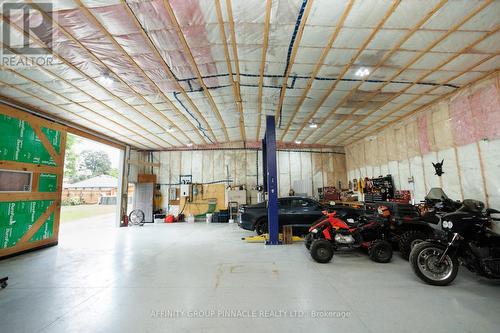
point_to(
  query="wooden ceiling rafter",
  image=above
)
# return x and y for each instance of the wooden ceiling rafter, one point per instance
(317, 66)
(379, 65)
(12, 86)
(434, 100)
(67, 63)
(194, 66)
(118, 77)
(234, 84)
(169, 72)
(415, 59)
(265, 45)
(44, 69)
(423, 107)
(346, 68)
(295, 49)
(229, 9)
(171, 124)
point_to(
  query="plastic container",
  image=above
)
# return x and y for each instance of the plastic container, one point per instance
(190, 218)
(209, 218)
(170, 219)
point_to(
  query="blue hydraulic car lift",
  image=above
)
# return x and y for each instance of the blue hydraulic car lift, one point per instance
(271, 179)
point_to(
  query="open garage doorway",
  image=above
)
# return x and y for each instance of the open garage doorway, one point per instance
(90, 188)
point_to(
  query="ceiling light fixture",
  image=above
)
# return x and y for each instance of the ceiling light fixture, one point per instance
(190, 144)
(106, 80)
(170, 129)
(313, 125)
(362, 72)
(298, 142)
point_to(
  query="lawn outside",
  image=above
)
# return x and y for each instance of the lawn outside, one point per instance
(75, 213)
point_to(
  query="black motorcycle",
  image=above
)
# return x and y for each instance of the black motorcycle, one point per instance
(465, 239)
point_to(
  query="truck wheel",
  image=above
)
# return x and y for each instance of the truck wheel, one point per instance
(322, 251)
(380, 251)
(261, 227)
(408, 240)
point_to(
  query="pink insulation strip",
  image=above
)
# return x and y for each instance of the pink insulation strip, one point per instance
(462, 121)
(190, 17)
(485, 104)
(423, 138)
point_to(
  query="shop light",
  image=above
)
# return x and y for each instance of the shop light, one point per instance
(106, 80)
(362, 72)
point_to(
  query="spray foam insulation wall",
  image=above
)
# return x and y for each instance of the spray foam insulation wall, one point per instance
(305, 170)
(462, 130)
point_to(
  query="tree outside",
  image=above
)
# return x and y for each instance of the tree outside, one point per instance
(86, 164)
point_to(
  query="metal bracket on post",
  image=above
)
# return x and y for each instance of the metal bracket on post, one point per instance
(271, 179)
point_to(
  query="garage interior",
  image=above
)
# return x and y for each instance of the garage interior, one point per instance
(234, 117)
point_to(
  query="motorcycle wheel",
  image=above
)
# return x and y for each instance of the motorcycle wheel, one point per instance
(380, 251)
(322, 251)
(424, 262)
(408, 240)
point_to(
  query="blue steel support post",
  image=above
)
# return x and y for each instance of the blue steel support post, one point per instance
(264, 164)
(269, 151)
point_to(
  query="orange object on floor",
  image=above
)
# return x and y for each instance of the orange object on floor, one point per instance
(169, 219)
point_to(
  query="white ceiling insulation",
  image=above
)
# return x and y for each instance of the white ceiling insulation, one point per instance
(160, 74)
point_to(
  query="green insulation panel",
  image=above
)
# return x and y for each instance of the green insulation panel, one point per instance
(47, 182)
(17, 217)
(19, 142)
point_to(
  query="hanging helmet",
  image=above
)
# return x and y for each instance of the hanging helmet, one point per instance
(384, 211)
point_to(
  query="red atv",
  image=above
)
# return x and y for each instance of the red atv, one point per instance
(332, 234)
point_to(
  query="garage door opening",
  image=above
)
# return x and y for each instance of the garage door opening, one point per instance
(90, 186)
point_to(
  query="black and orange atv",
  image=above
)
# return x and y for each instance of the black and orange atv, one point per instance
(332, 234)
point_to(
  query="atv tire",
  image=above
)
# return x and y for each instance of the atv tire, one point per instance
(321, 251)
(308, 240)
(261, 227)
(408, 239)
(380, 251)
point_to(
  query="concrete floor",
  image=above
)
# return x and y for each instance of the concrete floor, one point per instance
(105, 279)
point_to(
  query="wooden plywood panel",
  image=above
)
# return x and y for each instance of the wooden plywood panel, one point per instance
(30, 219)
